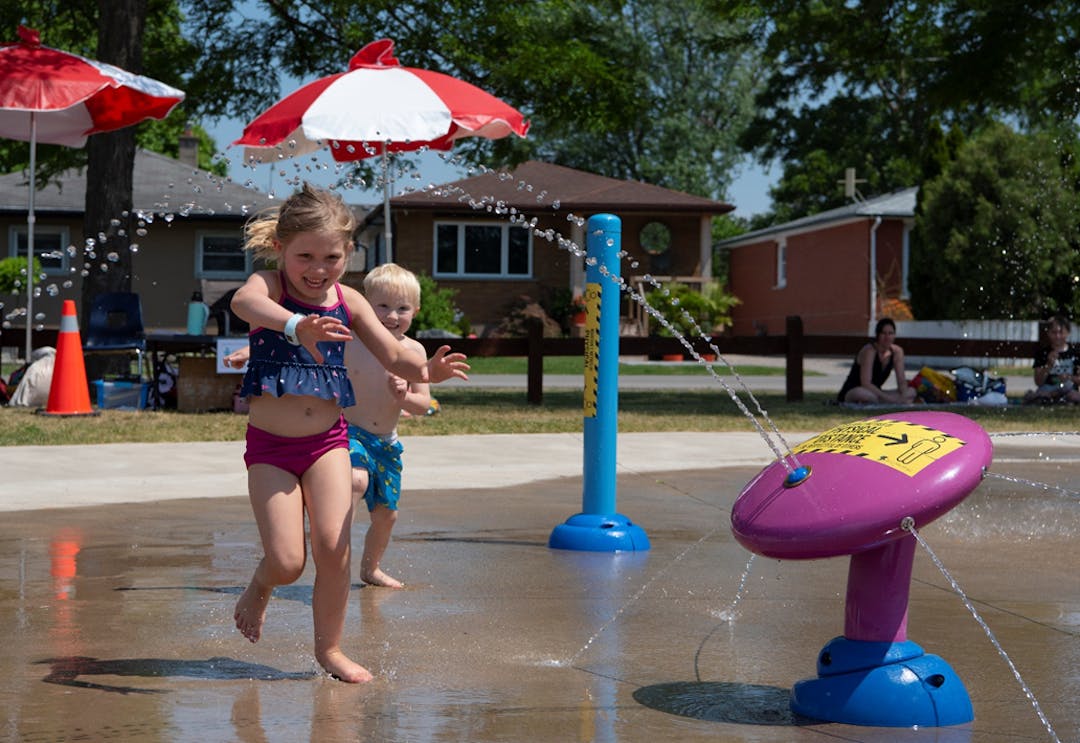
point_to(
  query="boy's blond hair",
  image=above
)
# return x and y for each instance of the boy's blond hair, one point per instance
(395, 280)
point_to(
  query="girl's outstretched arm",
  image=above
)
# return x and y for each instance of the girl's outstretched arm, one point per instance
(256, 302)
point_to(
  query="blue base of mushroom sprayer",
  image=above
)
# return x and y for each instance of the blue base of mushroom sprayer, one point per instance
(593, 532)
(883, 684)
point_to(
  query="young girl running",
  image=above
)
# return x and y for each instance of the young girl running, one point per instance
(297, 444)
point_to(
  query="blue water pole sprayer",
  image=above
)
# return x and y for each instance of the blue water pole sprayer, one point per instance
(598, 528)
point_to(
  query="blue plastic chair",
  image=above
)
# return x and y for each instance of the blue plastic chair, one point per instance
(115, 325)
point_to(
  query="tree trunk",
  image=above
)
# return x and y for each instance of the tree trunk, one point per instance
(108, 221)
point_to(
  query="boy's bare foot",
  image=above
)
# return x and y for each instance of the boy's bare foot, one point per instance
(251, 611)
(378, 578)
(338, 665)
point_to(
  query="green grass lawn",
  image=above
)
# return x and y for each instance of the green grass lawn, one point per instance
(466, 410)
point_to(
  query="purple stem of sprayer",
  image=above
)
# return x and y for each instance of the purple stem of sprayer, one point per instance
(879, 581)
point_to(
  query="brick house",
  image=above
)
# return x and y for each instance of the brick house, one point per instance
(840, 270)
(189, 237)
(465, 236)
(193, 232)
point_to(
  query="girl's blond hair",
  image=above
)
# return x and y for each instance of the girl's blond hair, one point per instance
(310, 209)
(395, 280)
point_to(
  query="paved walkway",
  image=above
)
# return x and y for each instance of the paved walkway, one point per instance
(123, 473)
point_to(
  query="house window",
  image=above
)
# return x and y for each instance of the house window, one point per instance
(482, 250)
(221, 256)
(781, 264)
(50, 247)
(655, 238)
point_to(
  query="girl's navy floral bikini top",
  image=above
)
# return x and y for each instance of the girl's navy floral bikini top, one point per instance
(277, 367)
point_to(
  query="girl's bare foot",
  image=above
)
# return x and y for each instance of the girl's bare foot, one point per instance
(338, 665)
(251, 611)
(378, 578)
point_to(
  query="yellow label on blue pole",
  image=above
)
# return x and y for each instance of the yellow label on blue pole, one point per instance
(592, 347)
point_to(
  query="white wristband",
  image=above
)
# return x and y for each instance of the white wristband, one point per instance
(290, 329)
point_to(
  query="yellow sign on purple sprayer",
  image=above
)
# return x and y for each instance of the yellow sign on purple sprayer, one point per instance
(905, 446)
(592, 347)
(862, 479)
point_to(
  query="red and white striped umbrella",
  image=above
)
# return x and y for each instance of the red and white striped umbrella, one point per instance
(48, 95)
(375, 107)
(378, 102)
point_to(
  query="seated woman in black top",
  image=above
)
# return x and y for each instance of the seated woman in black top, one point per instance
(872, 367)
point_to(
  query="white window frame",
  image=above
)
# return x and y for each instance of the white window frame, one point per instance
(200, 239)
(21, 232)
(504, 258)
(781, 263)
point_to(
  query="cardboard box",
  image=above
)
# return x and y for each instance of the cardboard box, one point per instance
(200, 388)
(121, 395)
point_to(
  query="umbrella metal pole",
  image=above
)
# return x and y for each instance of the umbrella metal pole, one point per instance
(387, 230)
(30, 240)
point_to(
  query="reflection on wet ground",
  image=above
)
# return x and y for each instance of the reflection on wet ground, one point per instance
(118, 621)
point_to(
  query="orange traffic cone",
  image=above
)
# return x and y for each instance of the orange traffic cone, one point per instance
(69, 394)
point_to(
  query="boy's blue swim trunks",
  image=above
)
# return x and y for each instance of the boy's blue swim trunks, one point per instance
(381, 457)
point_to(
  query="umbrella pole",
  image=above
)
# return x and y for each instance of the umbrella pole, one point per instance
(387, 231)
(30, 239)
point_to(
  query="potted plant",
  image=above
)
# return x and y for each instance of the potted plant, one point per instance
(567, 309)
(13, 274)
(577, 311)
(683, 308)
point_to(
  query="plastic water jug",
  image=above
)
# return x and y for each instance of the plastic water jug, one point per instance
(197, 315)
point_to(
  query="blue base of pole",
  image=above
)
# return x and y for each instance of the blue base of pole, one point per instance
(883, 684)
(594, 532)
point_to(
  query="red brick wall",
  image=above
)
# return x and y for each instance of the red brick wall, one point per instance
(827, 279)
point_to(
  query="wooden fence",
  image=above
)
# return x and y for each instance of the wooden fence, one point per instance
(794, 346)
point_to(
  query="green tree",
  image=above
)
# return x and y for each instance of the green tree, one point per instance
(165, 55)
(892, 89)
(680, 91)
(999, 231)
(649, 90)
